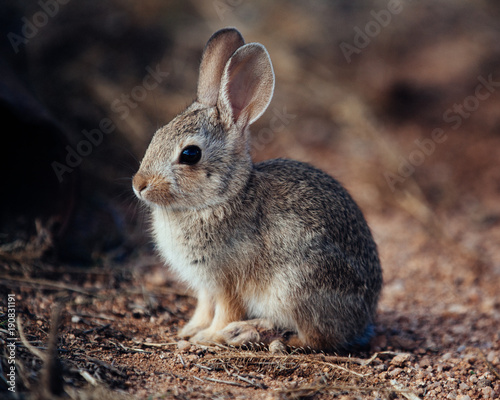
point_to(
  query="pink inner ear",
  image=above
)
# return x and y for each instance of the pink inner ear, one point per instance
(247, 85)
(242, 87)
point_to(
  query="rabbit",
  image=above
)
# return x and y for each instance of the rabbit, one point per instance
(278, 246)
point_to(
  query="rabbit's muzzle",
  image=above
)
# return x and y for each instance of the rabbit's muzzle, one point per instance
(154, 189)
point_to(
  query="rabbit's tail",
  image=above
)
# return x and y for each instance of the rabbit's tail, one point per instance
(362, 340)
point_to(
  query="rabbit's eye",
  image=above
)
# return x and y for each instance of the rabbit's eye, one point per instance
(190, 155)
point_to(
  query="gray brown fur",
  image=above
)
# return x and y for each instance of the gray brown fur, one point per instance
(279, 242)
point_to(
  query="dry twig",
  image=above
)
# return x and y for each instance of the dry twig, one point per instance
(46, 284)
(225, 382)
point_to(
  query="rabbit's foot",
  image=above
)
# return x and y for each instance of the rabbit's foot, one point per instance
(251, 331)
(207, 337)
(261, 331)
(190, 330)
(239, 333)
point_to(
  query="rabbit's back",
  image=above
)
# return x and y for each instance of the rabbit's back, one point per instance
(305, 203)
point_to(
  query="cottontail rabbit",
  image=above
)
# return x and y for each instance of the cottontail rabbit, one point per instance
(274, 245)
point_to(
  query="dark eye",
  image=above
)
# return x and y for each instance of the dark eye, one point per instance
(190, 155)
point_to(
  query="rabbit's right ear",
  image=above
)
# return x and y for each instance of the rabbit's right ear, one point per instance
(247, 85)
(220, 47)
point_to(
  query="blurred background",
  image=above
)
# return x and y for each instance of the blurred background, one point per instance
(397, 99)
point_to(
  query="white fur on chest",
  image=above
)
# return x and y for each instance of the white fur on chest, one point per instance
(169, 238)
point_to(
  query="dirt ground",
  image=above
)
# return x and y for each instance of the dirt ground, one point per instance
(406, 118)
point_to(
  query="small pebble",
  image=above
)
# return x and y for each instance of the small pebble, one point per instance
(481, 383)
(401, 359)
(452, 396)
(183, 345)
(463, 397)
(395, 372)
(381, 367)
(487, 392)
(424, 362)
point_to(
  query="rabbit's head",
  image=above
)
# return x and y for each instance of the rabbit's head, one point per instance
(202, 158)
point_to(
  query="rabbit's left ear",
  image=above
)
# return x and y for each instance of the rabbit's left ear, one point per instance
(247, 85)
(217, 52)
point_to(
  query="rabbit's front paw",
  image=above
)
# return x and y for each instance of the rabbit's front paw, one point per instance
(190, 330)
(239, 333)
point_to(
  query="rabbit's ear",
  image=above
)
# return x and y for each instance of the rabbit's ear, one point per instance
(217, 52)
(247, 85)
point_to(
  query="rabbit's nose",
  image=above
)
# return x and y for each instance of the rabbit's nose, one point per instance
(139, 182)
